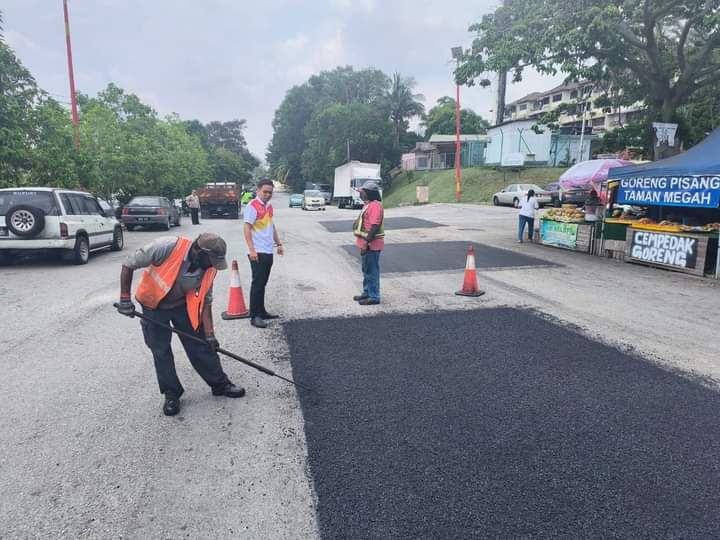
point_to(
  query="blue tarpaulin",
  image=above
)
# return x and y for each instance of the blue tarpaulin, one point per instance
(689, 179)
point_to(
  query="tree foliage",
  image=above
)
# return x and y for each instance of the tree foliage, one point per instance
(315, 122)
(441, 119)
(368, 132)
(660, 52)
(19, 95)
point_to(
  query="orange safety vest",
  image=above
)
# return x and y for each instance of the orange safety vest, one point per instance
(157, 281)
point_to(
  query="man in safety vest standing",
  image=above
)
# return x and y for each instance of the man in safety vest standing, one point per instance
(177, 289)
(370, 238)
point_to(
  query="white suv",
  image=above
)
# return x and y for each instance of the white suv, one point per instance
(37, 218)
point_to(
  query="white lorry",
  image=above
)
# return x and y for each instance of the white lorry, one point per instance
(351, 176)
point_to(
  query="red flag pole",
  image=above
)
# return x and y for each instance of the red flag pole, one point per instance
(73, 96)
(458, 174)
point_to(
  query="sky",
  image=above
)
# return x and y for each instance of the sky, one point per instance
(226, 59)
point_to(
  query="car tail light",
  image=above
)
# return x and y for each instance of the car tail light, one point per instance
(162, 211)
(64, 230)
(125, 211)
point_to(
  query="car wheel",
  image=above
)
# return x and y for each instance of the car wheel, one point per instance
(118, 239)
(24, 220)
(166, 226)
(81, 251)
(496, 202)
(516, 202)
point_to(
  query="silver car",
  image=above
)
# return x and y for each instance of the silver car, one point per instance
(313, 200)
(514, 193)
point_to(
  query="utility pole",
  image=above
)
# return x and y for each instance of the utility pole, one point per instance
(73, 96)
(457, 55)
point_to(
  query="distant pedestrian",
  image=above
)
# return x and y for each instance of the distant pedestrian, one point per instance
(370, 238)
(527, 215)
(193, 202)
(177, 290)
(261, 237)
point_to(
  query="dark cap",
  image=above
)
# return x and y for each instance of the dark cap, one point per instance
(215, 247)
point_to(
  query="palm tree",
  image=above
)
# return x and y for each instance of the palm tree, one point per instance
(402, 104)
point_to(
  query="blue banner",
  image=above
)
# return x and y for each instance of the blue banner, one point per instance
(691, 191)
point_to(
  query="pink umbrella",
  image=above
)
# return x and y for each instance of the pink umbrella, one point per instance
(590, 174)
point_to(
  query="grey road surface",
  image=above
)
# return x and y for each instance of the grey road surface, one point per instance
(85, 449)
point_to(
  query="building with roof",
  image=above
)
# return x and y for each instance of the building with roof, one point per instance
(439, 152)
(581, 97)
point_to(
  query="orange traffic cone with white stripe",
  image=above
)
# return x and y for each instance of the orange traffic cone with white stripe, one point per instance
(236, 304)
(470, 285)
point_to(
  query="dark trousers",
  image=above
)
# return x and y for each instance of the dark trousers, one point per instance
(194, 216)
(203, 359)
(260, 275)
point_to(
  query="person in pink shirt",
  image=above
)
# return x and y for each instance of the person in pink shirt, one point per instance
(370, 238)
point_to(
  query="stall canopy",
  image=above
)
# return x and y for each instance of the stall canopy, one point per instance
(689, 179)
(590, 173)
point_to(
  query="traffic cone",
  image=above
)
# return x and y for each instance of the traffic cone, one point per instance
(470, 285)
(236, 304)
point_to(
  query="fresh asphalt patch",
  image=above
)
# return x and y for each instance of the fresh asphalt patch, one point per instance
(498, 423)
(389, 223)
(438, 256)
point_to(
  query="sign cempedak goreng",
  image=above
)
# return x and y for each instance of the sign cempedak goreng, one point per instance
(693, 191)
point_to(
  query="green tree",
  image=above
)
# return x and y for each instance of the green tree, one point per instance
(18, 96)
(402, 104)
(53, 160)
(441, 120)
(341, 86)
(368, 131)
(288, 142)
(660, 52)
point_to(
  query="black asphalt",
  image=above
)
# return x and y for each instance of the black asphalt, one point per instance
(497, 423)
(437, 256)
(389, 223)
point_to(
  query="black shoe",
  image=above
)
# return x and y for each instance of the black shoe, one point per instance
(360, 297)
(257, 322)
(171, 406)
(267, 316)
(369, 302)
(229, 390)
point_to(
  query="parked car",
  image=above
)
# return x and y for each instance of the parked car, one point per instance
(515, 192)
(296, 200)
(313, 200)
(150, 210)
(574, 196)
(554, 191)
(43, 219)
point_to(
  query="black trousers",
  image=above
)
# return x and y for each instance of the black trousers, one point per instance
(205, 361)
(260, 275)
(194, 216)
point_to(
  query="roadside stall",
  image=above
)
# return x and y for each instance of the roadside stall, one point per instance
(669, 211)
(573, 227)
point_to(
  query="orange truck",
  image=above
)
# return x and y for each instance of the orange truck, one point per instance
(219, 199)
